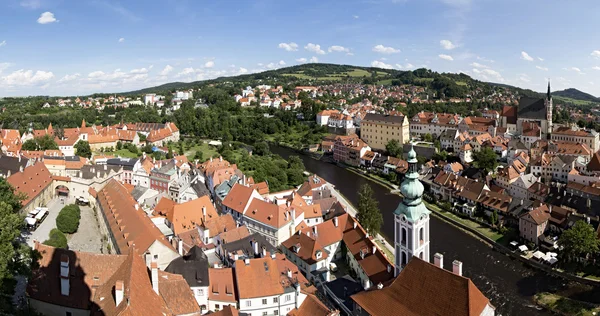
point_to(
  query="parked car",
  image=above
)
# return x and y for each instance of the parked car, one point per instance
(82, 201)
(333, 267)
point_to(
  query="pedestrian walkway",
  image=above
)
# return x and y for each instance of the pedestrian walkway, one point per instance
(43, 230)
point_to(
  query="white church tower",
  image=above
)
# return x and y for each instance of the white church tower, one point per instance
(548, 105)
(411, 225)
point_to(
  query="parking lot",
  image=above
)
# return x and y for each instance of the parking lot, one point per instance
(87, 238)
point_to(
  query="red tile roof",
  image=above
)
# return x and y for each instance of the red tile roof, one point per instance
(412, 291)
(31, 182)
(222, 286)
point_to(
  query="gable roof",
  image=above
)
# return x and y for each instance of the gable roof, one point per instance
(454, 294)
(32, 181)
(258, 278)
(220, 224)
(238, 197)
(193, 267)
(306, 248)
(222, 286)
(129, 224)
(186, 216)
(531, 108)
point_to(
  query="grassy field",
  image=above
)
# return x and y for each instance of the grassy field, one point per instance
(207, 151)
(573, 101)
(565, 306)
(121, 153)
(355, 73)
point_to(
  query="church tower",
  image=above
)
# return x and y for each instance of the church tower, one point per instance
(548, 104)
(411, 218)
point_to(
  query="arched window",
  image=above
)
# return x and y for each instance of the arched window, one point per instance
(404, 239)
(403, 258)
(421, 237)
(421, 255)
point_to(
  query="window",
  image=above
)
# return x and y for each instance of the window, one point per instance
(248, 303)
(264, 301)
(264, 313)
(217, 307)
(275, 300)
(288, 298)
(68, 314)
(276, 312)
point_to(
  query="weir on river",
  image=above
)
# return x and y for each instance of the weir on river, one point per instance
(505, 281)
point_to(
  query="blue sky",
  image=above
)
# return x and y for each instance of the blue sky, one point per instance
(71, 47)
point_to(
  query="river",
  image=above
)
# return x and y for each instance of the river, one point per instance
(506, 282)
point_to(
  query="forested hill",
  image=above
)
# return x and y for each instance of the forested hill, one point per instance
(573, 93)
(454, 85)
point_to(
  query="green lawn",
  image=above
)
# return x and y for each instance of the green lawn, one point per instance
(386, 82)
(353, 73)
(121, 153)
(461, 83)
(207, 151)
(565, 306)
(574, 101)
(299, 76)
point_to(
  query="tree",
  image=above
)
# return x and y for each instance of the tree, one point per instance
(579, 241)
(119, 145)
(428, 138)
(68, 218)
(394, 148)
(46, 142)
(56, 239)
(170, 154)
(199, 156)
(494, 218)
(485, 159)
(15, 258)
(29, 144)
(368, 213)
(262, 148)
(82, 149)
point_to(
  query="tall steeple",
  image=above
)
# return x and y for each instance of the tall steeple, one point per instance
(548, 104)
(411, 218)
(548, 95)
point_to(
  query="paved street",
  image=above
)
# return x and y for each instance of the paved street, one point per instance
(352, 211)
(42, 232)
(88, 237)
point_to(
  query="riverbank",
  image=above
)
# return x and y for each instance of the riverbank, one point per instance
(566, 306)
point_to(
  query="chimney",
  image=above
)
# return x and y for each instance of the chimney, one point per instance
(389, 268)
(20, 168)
(220, 158)
(293, 214)
(210, 159)
(273, 255)
(180, 247)
(136, 206)
(374, 249)
(204, 213)
(105, 167)
(355, 224)
(335, 221)
(247, 261)
(8, 174)
(366, 284)
(457, 267)
(255, 244)
(119, 291)
(438, 260)
(264, 252)
(550, 208)
(289, 273)
(236, 257)
(308, 233)
(380, 286)
(64, 275)
(98, 174)
(315, 230)
(154, 269)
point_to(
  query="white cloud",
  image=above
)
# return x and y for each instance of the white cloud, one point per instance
(446, 57)
(96, 74)
(485, 59)
(69, 78)
(185, 72)
(166, 71)
(596, 67)
(380, 64)
(23, 77)
(121, 40)
(281, 63)
(478, 65)
(337, 48)
(242, 71)
(596, 53)
(314, 59)
(315, 48)
(31, 4)
(290, 47)
(526, 56)
(446, 44)
(3, 43)
(4, 66)
(540, 59)
(524, 78)
(271, 65)
(355, 16)
(575, 69)
(349, 54)
(301, 60)
(542, 68)
(46, 17)
(209, 64)
(139, 71)
(385, 49)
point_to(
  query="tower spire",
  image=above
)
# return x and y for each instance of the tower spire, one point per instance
(548, 95)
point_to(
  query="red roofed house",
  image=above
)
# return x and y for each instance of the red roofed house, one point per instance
(128, 227)
(35, 182)
(79, 283)
(423, 288)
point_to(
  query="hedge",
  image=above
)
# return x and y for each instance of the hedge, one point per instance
(67, 220)
(56, 239)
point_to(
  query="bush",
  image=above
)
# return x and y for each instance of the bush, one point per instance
(67, 220)
(56, 239)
